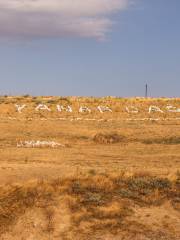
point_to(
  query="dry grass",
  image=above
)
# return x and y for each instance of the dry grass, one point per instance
(163, 140)
(15, 200)
(123, 183)
(108, 138)
(96, 204)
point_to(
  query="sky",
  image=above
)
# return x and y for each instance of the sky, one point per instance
(90, 48)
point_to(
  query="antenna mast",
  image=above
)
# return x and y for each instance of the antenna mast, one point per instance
(146, 91)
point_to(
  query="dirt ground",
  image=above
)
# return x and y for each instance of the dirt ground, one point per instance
(149, 144)
(81, 153)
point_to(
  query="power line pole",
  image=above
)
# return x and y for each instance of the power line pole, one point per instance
(146, 91)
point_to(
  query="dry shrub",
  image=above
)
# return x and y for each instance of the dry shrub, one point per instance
(146, 190)
(96, 203)
(114, 209)
(178, 178)
(94, 184)
(172, 140)
(142, 173)
(49, 214)
(15, 200)
(100, 183)
(108, 138)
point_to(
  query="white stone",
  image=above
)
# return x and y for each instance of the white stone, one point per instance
(61, 108)
(43, 107)
(155, 109)
(103, 109)
(19, 108)
(173, 109)
(84, 109)
(33, 144)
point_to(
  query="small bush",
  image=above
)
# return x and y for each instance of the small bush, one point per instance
(94, 202)
(146, 183)
(65, 99)
(126, 193)
(92, 172)
(110, 138)
(93, 198)
(26, 96)
(52, 101)
(178, 178)
(168, 141)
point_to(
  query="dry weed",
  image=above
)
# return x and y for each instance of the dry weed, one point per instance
(108, 138)
(96, 203)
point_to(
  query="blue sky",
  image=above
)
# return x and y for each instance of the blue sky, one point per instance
(141, 46)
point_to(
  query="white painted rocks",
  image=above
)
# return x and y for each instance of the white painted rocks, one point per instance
(61, 108)
(19, 108)
(39, 144)
(101, 109)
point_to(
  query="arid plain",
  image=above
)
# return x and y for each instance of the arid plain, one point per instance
(114, 175)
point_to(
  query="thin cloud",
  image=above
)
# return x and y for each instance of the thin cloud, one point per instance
(57, 18)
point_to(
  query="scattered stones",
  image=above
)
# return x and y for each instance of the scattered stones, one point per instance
(103, 109)
(66, 109)
(173, 109)
(84, 109)
(39, 144)
(43, 107)
(19, 108)
(155, 109)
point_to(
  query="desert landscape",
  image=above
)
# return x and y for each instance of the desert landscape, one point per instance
(89, 120)
(75, 168)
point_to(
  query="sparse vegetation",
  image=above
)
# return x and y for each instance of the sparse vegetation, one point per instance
(26, 96)
(108, 138)
(163, 140)
(102, 203)
(115, 179)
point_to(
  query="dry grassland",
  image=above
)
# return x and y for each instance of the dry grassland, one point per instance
(113, 180)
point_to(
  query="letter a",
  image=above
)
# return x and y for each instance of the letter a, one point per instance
(155, 109)
(42, 107)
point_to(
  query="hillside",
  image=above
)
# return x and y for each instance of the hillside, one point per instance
(89, 168)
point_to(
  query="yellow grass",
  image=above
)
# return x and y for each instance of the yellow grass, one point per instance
(112, 180)
(94, 205)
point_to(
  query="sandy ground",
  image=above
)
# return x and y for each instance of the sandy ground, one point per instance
(143, 149)
(81, 153)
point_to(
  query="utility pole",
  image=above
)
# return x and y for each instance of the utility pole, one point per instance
(146, 91)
